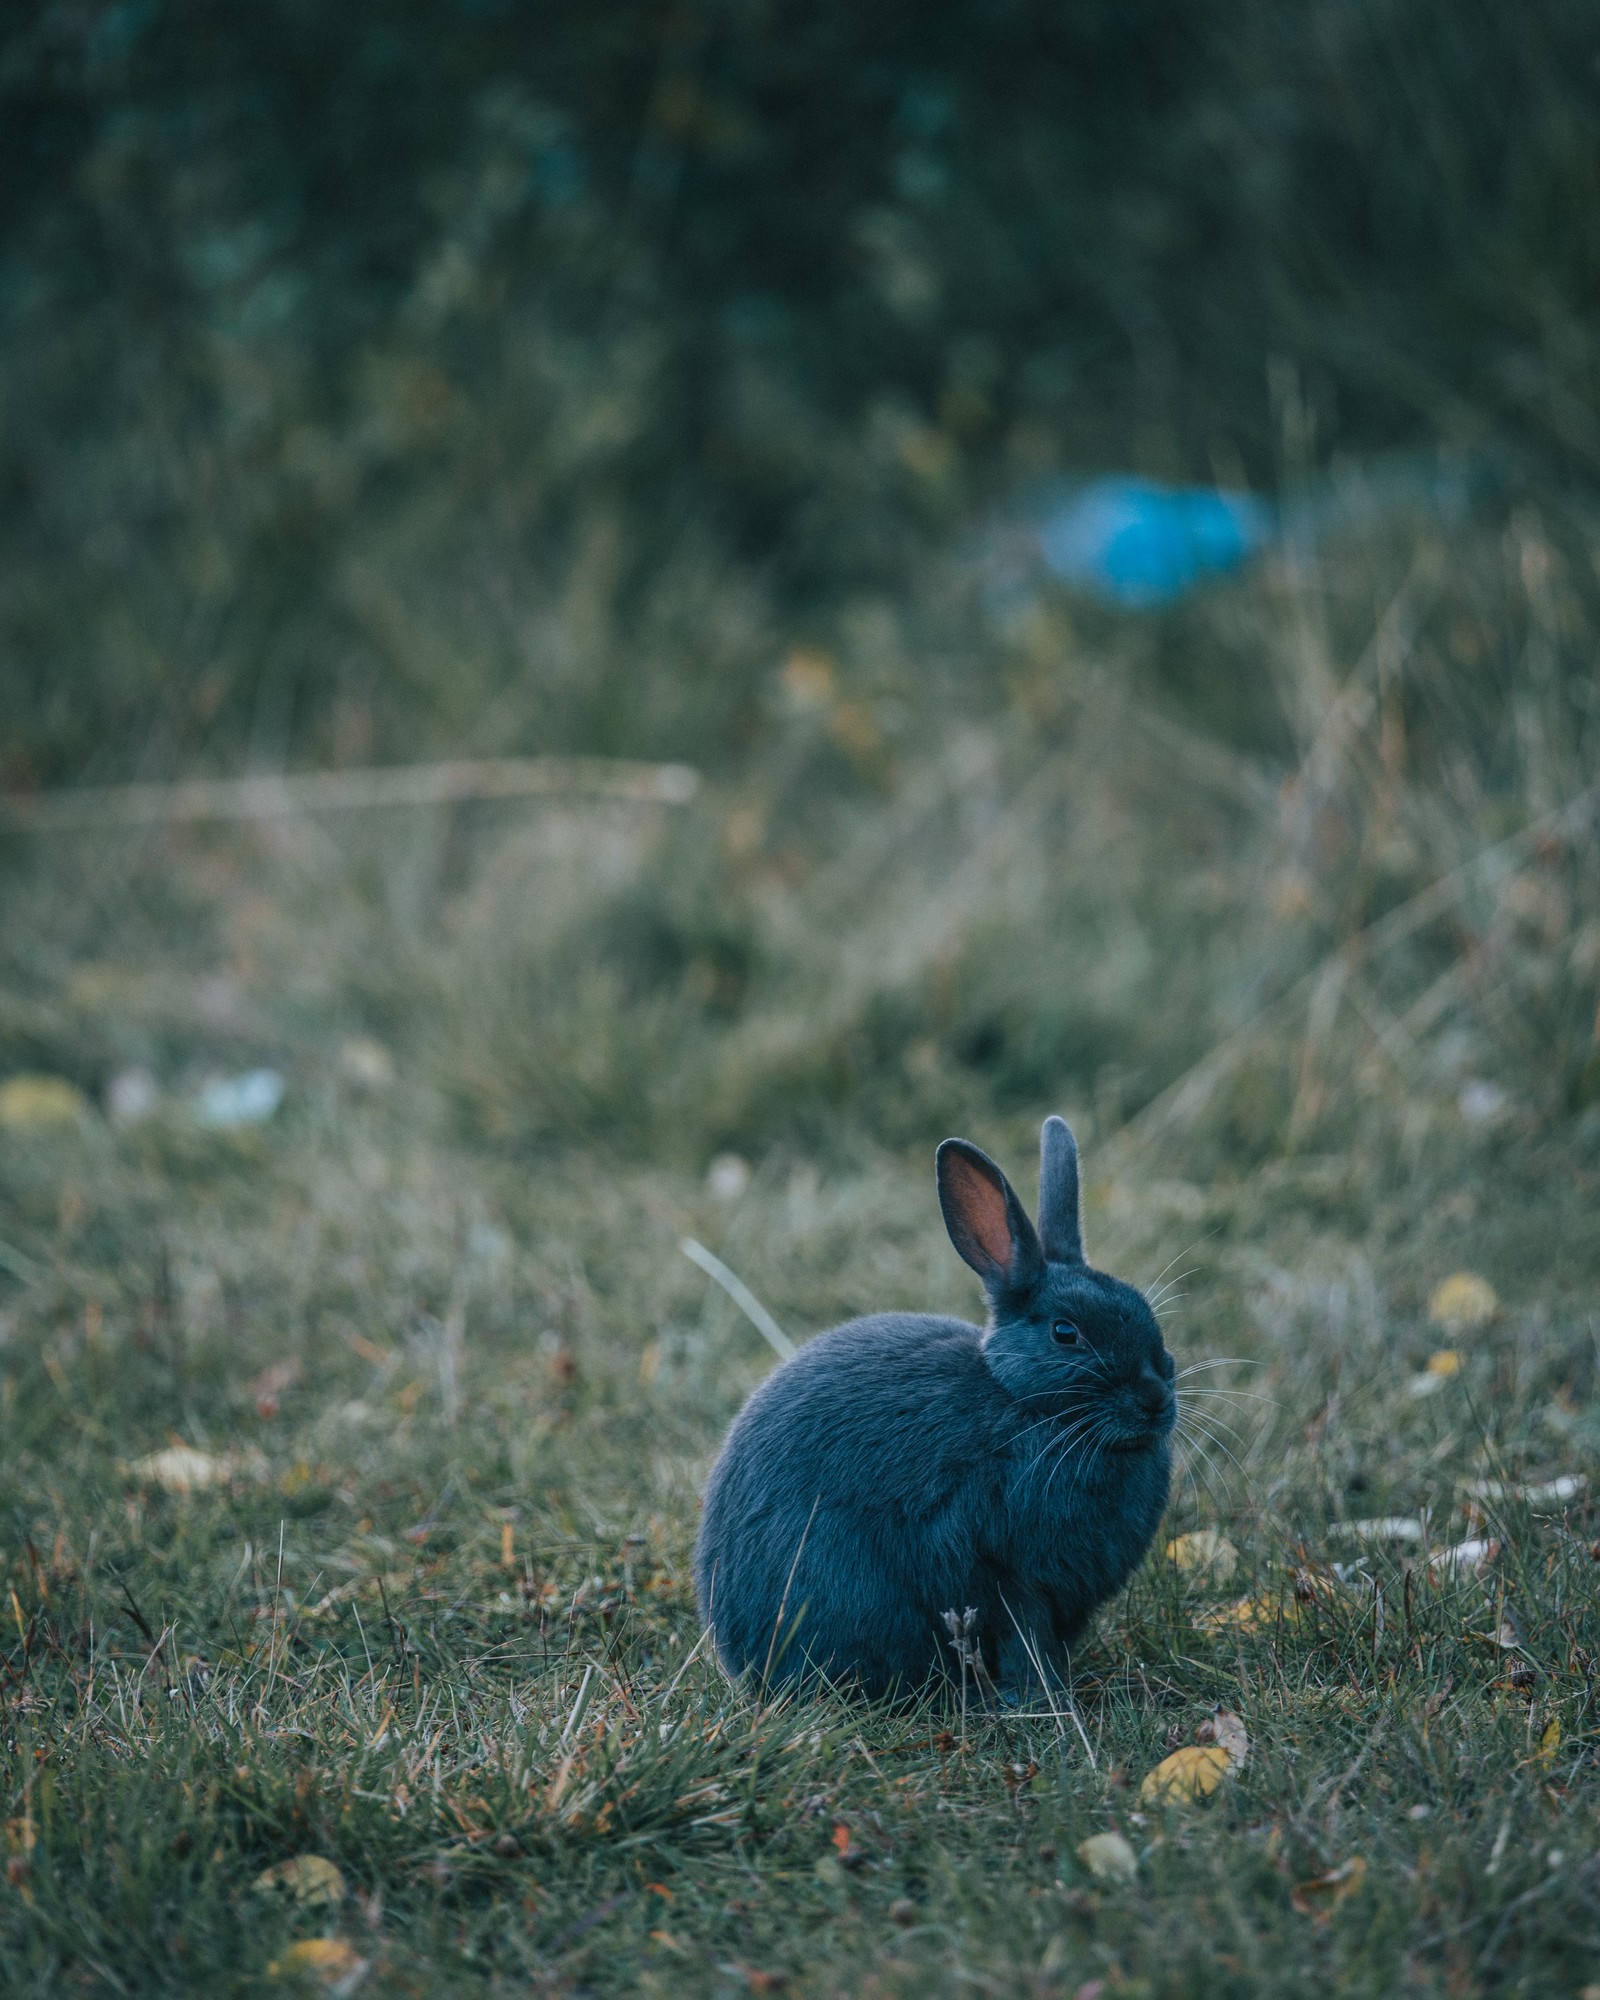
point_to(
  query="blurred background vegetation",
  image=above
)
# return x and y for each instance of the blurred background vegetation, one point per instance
(391, 382)
(392, 378)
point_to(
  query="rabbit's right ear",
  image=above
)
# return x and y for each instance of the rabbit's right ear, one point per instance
(1060, 1229)
(987, 1224)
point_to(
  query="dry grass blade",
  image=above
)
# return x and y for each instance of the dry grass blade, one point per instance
(363, 790)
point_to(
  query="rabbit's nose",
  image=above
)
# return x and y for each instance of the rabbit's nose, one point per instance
(1155, 1394)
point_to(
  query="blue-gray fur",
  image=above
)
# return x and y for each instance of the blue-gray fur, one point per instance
(904, 1465)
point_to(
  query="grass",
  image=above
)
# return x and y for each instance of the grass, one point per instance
(401, 388)
(433, 1620)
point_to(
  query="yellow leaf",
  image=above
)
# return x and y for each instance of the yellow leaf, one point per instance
(29, 1103)
(1436, 1371)
(328, 1959)
(808, 679)
(1250, 1614)
(1549, 1742)
(1463, 1300)
(1108, 1857)
(1204, 1549)
(1194, 1772)
(311, 1879)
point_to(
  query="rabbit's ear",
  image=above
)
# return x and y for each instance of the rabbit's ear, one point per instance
(1060, 1228)
(987, 1224)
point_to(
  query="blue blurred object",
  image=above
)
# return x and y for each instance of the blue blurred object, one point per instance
(1139, 544)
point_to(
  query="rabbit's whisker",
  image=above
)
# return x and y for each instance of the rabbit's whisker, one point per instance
(1196, 1456)
(1207, 1423)
(1167, 1266)
(1085, 1464)
(1212, 1439)
(1160, 1290)
(1058, 1448)
(1095, 1456)
(1071, 1409)
(1209, 1416)
(1225, 1361)
(1188, 1248)
(1189, 1431)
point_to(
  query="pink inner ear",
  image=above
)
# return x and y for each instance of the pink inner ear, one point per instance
(983, 1209)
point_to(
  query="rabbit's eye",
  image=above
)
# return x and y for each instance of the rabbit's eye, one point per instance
(1065, 1334)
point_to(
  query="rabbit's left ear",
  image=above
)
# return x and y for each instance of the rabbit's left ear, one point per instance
(1060, 1226)
(987, 1224)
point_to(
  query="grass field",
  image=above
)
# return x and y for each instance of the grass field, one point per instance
(456, 1388)
(384, 384)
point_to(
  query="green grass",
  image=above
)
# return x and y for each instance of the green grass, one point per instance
(332, 1655)
(397, 384)
(435, 1624)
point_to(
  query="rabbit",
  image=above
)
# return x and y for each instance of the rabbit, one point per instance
(905, 1469)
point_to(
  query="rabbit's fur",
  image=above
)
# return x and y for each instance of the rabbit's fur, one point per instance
(905, 1466)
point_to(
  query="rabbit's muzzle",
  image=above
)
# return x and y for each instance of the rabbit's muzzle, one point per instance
(1144, 1412)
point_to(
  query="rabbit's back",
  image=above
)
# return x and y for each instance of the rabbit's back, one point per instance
(843, 1515)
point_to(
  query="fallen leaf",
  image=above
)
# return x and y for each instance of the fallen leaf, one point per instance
(336, 1964)
(312, 1879)
(31, 1103)
(1228, 1732)
(1320, 1896)
(269, 1385)
(366, 1063)
(1566, 1486)
(1204, 1550)
(727, 1177)
(1108, 1857)
(1436, 1371)
(1470, 1558)
(808, 678)
(1463, 1300)
(184, 1468)
(1386, 1528)
(1194, 1772)
(1549, 1742)
(181, 1469)
(1250, 1614)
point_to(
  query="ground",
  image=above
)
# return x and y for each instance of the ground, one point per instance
(399, 386)
(425, 1611)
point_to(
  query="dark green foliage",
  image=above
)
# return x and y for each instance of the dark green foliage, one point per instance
(401, 375)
